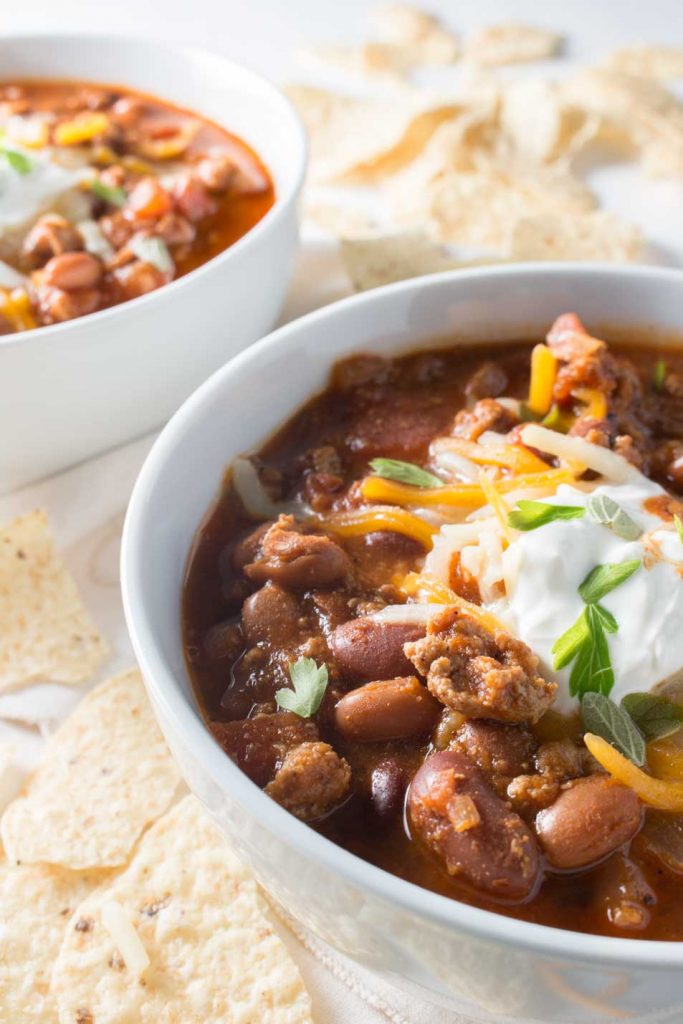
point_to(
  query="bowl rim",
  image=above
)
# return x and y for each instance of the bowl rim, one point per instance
(187, 721)
(298, 155)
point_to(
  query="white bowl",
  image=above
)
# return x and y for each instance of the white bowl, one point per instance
(488, 966)
(73, 389)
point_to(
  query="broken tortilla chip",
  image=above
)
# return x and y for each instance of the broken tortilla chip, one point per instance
(538, 123)
(661, 62)
(372, 262)
(103, 777)
(36, 902)
(481, 207)
(361, 140)
(213, 954)
(511, 44)
(417, 33)
(641, 109)
(595, 235)
(45, 632)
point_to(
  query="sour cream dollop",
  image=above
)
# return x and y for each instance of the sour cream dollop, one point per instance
(547, 565)
(44, 186)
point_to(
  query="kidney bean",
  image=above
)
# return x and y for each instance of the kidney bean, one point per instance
(72, 270)
(588, 822)
(387, 788)
(456, 814)
(392, 709)
(367, 649)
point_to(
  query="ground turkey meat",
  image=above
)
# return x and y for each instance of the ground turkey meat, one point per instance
(311, 782)
(298, 561)
(480, 673)
(486, 414)
(501, 751)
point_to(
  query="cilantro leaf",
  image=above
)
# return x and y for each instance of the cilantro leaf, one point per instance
(405, 473)
(19, 162)
(654, 715)
(659, 375)
(604, 578)
(606, 511)
(592, 671)
(529, 515)
(310, 682)
(603, 717)
(112, 194)
(570, 643)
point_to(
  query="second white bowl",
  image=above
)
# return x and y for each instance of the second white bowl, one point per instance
(76, 388)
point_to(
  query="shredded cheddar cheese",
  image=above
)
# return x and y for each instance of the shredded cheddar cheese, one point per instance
(542, 381)
(375, 488)
(434, 591)
(664, 794)
(508, 456)
(356, 522)
(494, 499)
(594, 400)
(83, 128)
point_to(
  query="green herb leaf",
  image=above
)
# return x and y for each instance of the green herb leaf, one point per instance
(655, 716)
(604, 578)
(111, 194)
(153, 250)
(310, 682)
(605, 617)
(659, 375)
(606, 511)
(605, 718)
(405, 473)
(557, 420)
(678, 523)
(570, 643)
(19, 162)
(592, 671)
(529, 515)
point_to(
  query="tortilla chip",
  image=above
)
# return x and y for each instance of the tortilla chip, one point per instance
(214, 956)
(417, 34)
(104, 776)
(511, 44)
(642, 110)
(538, 123)
(661, 62)
(36, 902)
(372, 262)
(481, 206)
(11, 774)
(339, 221)
(361, 140)
(45, 632)
(596, 235)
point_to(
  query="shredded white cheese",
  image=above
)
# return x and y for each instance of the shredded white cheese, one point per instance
(117, 923)
(600, 460)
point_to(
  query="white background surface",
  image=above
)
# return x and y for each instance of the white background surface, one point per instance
(86, 505)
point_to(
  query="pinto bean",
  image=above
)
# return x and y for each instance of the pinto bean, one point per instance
(392, 709)
(367, 649)
(57, 305)
(50, 236)
(71, 271)
(588, 822)
(456, 814)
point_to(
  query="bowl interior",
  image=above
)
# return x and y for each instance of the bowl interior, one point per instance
(206, 83)
(245, 401)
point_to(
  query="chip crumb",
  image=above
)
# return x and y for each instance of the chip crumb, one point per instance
(511, 44)
(45, 631)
